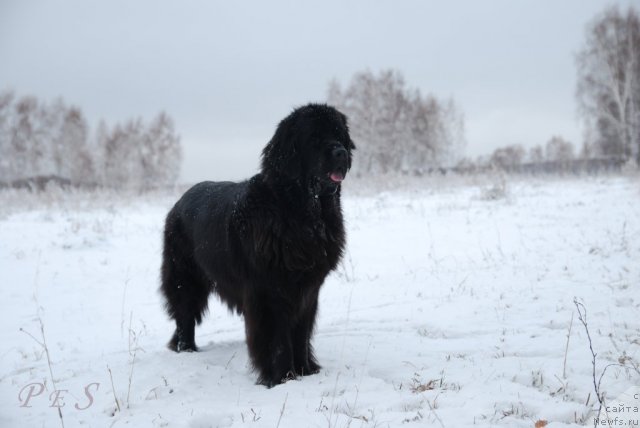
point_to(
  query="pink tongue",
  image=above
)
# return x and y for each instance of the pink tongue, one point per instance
(337, 177)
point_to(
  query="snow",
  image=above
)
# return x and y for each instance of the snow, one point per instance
(449, 310)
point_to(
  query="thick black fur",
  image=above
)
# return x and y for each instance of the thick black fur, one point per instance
(264, 245)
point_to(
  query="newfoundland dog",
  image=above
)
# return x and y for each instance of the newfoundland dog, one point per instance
(264, 245)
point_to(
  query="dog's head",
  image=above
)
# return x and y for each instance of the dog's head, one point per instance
(311, 144)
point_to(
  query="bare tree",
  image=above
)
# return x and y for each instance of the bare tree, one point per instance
(609, 82)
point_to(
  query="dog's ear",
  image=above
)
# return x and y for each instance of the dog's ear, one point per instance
(281, 157)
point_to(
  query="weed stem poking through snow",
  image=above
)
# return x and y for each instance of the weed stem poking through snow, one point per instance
(582, 316)
(43, 344)
(566, 349)
(282, 410)
(113, 389)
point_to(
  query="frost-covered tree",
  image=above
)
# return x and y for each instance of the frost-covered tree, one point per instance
(400, 130)
(25, 149)
(6, 164)
(507, 157)
(121, 155)
(56, 150)
(161, 152)
(536, 154)
(40, 139)
(608, 89)
(559, 150)
(136, 155)
(77, 161)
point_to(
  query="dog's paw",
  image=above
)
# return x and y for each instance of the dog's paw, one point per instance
(186, 347)
(313, 368)
(271, 381)
(310, 368)
(181, 346)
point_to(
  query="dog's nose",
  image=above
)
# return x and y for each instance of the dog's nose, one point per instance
(339, 153)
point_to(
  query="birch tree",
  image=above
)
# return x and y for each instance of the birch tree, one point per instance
(609, 82)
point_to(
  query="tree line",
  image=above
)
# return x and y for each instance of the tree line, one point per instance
(403, 131)
(53, 141)
(558, 155)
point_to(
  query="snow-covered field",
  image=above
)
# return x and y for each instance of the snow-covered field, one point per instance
(450, 309)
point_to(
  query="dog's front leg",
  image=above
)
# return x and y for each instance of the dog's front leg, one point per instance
(268, 330)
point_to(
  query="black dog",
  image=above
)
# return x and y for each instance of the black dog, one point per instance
(264, 245)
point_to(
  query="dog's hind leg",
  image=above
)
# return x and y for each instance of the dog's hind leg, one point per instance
(185, 291)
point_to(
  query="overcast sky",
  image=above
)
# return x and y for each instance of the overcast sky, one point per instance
(227, 72)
